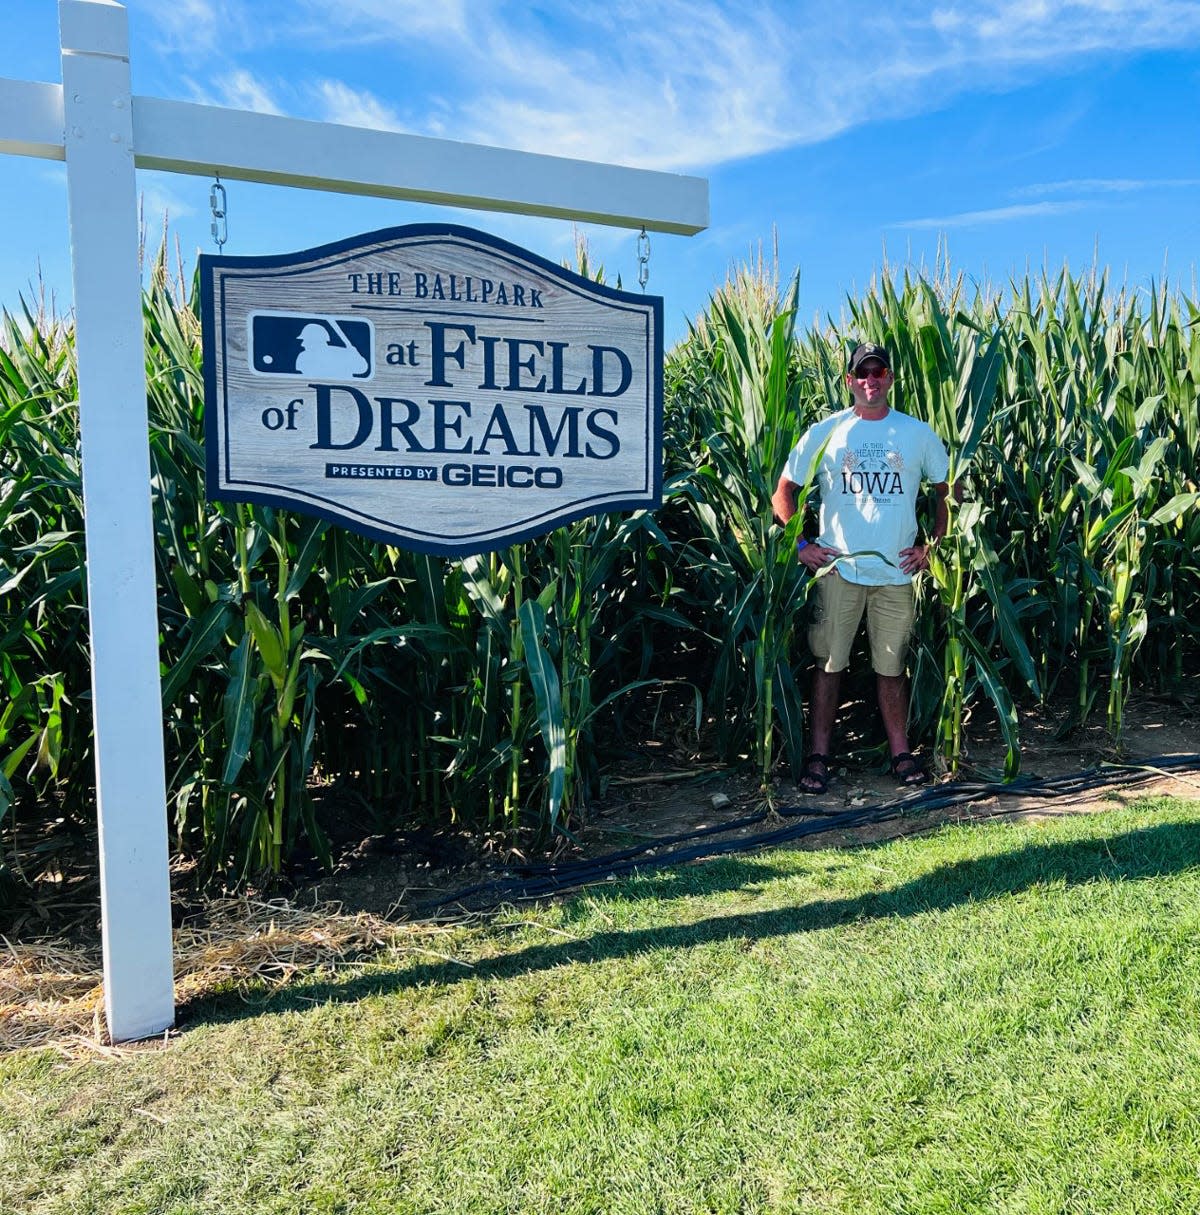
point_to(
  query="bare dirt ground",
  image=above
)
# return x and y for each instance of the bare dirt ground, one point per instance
(665, 792)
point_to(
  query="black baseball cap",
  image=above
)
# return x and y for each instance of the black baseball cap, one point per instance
(868, 350)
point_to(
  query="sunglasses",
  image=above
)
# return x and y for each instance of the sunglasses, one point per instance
(873, 373)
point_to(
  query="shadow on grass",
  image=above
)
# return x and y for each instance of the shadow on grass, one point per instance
(1147, 852)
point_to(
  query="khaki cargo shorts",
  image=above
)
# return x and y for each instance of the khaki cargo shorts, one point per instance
(837, 612)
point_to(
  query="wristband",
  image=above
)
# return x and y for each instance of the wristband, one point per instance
(801, 544)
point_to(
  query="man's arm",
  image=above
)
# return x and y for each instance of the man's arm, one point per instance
(783, 500)
(917, 557)
(783, 503)
(941, 513)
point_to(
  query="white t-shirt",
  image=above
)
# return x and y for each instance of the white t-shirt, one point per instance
(868, 480)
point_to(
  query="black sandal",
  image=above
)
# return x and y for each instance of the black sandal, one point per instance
(908, 769)
(820, 780)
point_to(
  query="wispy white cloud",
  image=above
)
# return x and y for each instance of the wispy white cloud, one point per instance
(682, 87)
(159, 200)
(244, 91)
(194, 28)
(374, 21)
(995, 215)
(1032, 30)
(1091, 188)
(355, 107)
(1104, 185)
(671, 84)
(238, 89)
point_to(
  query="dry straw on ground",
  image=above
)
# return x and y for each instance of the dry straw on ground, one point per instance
(51, 992)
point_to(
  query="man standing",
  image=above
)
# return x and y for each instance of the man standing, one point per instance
(868, 477)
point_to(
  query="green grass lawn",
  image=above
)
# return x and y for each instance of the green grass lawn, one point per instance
(993, 1018)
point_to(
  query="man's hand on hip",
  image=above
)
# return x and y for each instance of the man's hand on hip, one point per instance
(816, 556)
(914, 558)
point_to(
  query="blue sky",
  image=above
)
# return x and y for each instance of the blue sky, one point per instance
(1012, 132)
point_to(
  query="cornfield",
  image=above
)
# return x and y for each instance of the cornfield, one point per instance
(495, 691)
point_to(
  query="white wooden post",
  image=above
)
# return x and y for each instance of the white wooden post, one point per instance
(135, 896)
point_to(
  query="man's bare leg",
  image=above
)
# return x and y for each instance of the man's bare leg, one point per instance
(823, 707)
(893, 707)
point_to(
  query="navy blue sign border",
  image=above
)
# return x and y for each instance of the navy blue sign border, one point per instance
(209, 264)
(592, 504)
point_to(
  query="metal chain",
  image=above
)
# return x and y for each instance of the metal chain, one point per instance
(643, 256)
(218, 202)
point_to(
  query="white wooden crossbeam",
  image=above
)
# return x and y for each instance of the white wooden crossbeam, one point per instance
(183, 137)
(31, 119)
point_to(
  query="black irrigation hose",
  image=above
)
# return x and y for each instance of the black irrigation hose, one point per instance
(537, 881)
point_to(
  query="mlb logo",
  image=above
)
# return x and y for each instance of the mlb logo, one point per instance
(310, 345)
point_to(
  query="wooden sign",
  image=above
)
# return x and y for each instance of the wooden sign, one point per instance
(431, 386)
